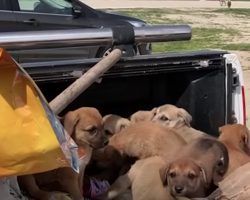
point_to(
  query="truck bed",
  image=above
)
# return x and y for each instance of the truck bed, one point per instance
(185, 79)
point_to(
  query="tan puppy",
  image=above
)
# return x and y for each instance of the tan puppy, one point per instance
(86, 128)
(144, 180)
(144, 139)
(200, 165)
(179, 119)
(114, 124)
(142, 115)
(236, 138)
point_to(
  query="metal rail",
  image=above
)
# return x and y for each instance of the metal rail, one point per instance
(91, 36)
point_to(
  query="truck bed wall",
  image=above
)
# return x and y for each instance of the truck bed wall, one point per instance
(200, 92)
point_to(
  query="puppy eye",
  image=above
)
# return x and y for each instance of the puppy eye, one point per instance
(191, 176)
(164, 118)
(172, 174)
(92, 130)
(221, 162)
(108, 133)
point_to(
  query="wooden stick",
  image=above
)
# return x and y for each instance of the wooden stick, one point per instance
(81, 84)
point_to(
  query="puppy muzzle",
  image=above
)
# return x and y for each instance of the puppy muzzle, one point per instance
(178, 190)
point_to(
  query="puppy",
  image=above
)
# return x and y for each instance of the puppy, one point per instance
(144, 139)
(200, 165)
(139, 140)
(236, 138)
(106, 166)
(85, 126)
(144, 180)
(179, 119)
(142, 115)
(114, 124)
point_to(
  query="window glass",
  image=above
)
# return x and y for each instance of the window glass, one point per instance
(4, 5)
(46, 6)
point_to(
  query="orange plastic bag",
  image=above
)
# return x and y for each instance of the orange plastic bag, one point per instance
(32, 138)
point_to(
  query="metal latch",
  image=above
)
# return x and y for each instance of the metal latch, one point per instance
(236, 79)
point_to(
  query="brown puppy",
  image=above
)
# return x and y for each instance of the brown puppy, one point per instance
(179, 119)
(186, 178)
(236, 138)
(144, 139)
(200, 164)
(142, 115)
(114, 124)
(85, 126)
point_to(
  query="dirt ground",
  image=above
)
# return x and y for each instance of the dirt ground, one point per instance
(206, 20)
(161, 4)
(247, 90)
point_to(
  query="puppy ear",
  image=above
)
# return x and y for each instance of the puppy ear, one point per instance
(245, 135)
(220, 130)
(124, 124)
(154, 111)
(187, 118)
(163, 171)
(70, 121)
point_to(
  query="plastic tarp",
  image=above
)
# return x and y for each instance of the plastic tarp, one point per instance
(32, 138)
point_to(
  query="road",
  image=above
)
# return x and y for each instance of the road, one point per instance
(161, 4)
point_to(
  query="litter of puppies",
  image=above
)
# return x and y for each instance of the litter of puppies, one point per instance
(153, 155)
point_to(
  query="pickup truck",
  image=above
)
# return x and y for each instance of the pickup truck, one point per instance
(207, 83)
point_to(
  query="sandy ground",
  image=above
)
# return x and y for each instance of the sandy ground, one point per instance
(215, 20)
(160, 4)
(247, 90)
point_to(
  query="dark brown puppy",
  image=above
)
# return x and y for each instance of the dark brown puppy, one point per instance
(85, 127)
(105, 165)
(236, 138)
(200, 164)
(114, 124)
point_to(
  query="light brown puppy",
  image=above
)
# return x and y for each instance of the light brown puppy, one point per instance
(236, 138)
(144, 180)
(142, 115)
(144, 139)
(114, 124)
(85, 126)
(179, 119)
(200, 165)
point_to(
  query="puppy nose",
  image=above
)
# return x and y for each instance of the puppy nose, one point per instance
(178, 189)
